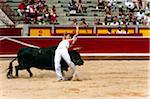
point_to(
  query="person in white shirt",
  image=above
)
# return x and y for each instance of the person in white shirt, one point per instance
(120, 31)
(62, 52)
(139, 15)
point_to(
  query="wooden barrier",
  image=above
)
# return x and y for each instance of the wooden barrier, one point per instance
(90, 46)
(104, 30)
(40, 31)
(144, 30)
(85, 31)
(10, 31)
(72, 30)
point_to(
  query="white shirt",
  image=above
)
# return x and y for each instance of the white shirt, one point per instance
(139, 15)
(67, 43)
(114, 23)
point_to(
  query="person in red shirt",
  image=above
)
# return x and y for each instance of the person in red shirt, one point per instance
(21, 8)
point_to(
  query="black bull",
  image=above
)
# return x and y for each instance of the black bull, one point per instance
(42, 58)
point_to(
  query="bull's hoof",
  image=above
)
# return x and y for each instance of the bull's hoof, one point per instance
(9, 76)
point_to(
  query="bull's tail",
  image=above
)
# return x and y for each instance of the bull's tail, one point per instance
(10, 69)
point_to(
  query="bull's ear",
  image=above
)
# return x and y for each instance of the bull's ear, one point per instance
(77, 48)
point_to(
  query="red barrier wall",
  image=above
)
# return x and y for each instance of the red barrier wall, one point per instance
(89, 45)
(10, 31)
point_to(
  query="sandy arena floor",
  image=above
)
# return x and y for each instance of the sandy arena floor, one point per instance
(100, 79)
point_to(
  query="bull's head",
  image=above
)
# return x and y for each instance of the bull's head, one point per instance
(76, 58)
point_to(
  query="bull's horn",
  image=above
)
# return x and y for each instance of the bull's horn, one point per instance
(77, 48)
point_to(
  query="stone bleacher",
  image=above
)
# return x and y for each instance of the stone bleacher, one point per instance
(90, 15)
(62, 10)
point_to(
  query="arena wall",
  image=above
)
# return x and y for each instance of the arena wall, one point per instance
(90, 46)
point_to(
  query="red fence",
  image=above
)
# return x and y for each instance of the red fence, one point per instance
(95, 45)
(10, 31)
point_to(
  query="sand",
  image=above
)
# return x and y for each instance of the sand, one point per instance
(99, 79)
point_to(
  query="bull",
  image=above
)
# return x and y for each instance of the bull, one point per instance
(41, 58)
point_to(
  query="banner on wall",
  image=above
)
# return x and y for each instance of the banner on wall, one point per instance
(104, 30)
(40, 32)
(82, 30)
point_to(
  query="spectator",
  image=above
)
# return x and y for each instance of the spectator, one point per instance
(140, 15)
(124, 21)
(97, 22)
(135, 21)
(46, 14)
(126, 29)
(21, 8)
(40, 5)
(120, 31)
(83, 23)
(53, 15)
(100, 4)
(115, 21)
(72, 5)
(138, 4)
(121, 11)
(108, 17)
(109, 31)
(74, 22)
(53, 9)
(80, 7)
(106, 20)
(130, 16)
(130, 5)
(147, 9)
(147, 19)
(31, 9)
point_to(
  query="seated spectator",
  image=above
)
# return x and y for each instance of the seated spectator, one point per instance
(31, 9)
(126, 29)
(74, 22)
(109, 31)
(53, 15)
(124, 21)
(80, 7)
(130, 5)
(121, 11)
(135, 21)
(147, 9)
(72, 5)
(147, 19)
(46, 14)
(100, 4)
(139, 15)
(21, 8)
(120, 31)
(138, 4)
(97, 22)
(115, 21)
(54, 18)
(108, 17)
(130, 16)
(40, 5)
(107, 20)
(83, 23)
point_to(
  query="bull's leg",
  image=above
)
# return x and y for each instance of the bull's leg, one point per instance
(19, 68)
(28, 69)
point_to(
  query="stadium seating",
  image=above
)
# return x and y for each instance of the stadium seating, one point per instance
(64, 18)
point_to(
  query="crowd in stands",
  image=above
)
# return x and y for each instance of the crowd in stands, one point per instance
(133, 12)
(37, 12)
